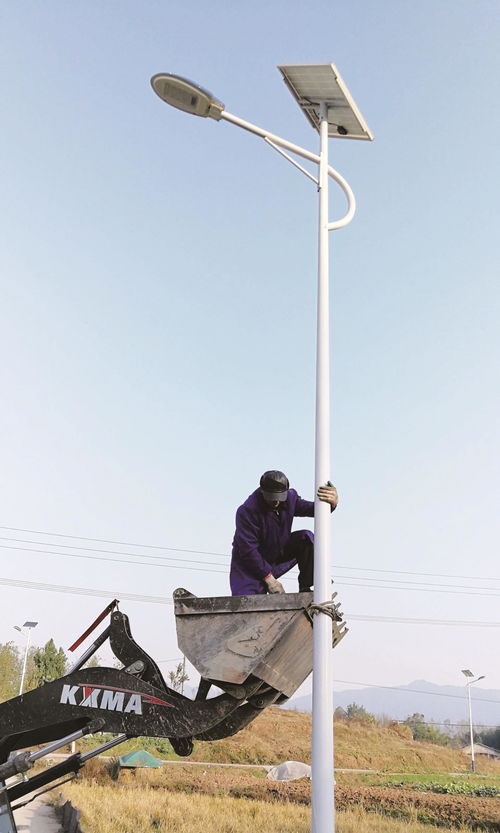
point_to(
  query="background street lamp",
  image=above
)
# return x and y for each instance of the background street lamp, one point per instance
(325, 100)
(29, 627)
(470, 675)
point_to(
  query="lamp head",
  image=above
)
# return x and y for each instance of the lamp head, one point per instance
(17, 628)
(185, 95)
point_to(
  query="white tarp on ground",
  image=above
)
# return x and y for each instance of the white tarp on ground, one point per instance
(289, 771)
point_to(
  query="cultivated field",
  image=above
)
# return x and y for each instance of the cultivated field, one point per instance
(235, 801)
(410, 788)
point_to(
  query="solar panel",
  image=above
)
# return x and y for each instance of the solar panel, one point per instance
(311, 84)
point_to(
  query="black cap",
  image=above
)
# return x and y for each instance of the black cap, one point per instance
(274, 486)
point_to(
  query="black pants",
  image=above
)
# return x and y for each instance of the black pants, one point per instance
(300, 548)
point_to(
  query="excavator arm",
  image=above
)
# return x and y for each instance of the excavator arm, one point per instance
(256, 649)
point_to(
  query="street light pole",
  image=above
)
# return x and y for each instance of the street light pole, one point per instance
(29, 626)
(473, 763)
(467, 673)
(323, 799)
(325, 100)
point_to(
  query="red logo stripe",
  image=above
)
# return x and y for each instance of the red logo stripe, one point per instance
(149, 698)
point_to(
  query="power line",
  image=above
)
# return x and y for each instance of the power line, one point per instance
(163, 600)
(413, 691)
(85, 591)
(115, 560)
(418, 589)
(425, 583)
(464, 725)
(190, 561)
(227, 555)
(400, 620)
(410, 573)
(109, 552)
(461, 589)
(107, 541)
(134, 597)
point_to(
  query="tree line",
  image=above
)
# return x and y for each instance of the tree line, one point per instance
(423, 730)
(43, 664)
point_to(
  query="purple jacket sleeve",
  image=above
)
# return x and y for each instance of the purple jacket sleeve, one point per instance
(246, 540)
(304, 508)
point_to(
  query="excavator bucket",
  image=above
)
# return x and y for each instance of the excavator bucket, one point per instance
(232, 639)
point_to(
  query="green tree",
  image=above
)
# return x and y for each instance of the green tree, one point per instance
(10, 671)
(423, 731)
(48, 663)
(490, 737)
(359, 713)
(415, 721)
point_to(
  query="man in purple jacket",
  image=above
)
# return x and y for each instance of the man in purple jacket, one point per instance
(264, 546)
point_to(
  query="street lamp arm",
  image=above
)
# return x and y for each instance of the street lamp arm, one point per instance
(351, 200)
(278, 141)
(292, 161)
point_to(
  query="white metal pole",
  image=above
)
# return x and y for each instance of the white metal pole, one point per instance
(473, 763)
(25, 660)
(323, 805)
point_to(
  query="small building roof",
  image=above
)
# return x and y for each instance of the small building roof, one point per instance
(140, 758)
(481, 749)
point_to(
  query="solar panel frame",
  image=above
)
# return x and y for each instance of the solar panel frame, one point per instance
(311, 84)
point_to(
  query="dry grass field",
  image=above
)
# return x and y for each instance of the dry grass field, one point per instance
(209, 807)
(180, 798)
(281, 735)
(222, 800)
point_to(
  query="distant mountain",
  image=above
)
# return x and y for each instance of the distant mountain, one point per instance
(435, 702)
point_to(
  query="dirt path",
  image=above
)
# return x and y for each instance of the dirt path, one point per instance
(37, 817)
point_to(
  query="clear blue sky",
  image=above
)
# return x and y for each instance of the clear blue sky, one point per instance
(157, 315)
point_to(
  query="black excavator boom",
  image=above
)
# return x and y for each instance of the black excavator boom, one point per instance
(256, 649)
